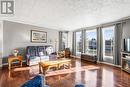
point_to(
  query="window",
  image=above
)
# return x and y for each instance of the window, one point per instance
(108, 43)
(78, 43)
(91, 42)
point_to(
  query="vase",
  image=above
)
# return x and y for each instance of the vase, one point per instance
(15, 54)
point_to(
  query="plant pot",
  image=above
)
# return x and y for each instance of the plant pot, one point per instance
(15, 54)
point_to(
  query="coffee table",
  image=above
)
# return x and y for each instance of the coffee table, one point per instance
(45, 66)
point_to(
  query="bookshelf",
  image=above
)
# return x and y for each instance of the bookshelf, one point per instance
(125, 61)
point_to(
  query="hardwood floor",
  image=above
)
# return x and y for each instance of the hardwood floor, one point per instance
(89, 74)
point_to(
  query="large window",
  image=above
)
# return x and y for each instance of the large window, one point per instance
(78, 43)
(86, 42)
(91, 42)
(108, 44)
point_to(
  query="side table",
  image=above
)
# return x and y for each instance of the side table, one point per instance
(12, 58)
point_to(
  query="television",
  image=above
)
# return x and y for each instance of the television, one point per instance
(127, 45)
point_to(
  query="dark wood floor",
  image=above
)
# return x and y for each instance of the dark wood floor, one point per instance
(89, 74)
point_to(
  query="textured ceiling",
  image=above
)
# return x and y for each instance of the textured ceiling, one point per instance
(68, 14)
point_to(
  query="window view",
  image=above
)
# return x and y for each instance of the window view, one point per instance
(64, 40)
(91, 42)
(108, 44)
(78, 43)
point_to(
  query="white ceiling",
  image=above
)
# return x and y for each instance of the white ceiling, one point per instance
(68, 14)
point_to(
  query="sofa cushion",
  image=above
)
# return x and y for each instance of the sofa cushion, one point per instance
(32, 51)
(40, 49)
(44, 58)
(34, 58)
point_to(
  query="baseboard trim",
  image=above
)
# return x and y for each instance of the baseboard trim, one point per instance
(109, 64)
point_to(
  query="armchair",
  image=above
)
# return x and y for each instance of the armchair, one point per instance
(37, 81)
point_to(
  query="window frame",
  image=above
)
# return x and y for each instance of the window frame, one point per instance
(81, 43)
(103, 49)
(85, 40)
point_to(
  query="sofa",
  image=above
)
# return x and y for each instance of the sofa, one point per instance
(35, 54)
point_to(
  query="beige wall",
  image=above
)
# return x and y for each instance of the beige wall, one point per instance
(17, 35)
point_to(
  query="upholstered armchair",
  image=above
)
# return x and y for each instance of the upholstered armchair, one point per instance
(61, 54)
(37, 81)
(67, 52)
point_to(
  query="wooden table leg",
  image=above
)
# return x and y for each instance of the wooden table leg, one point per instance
(9, 63)
(45, 69)
(20, 63)
(39, 68)
(70, 65)
(9, 74)
(58, 66)
(20, 60)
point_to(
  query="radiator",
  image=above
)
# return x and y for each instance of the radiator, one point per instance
(90, 58)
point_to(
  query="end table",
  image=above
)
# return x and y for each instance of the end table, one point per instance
(12, 58)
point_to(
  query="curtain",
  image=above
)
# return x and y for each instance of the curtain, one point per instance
(99, 44)
(74, 44)
(118, 43)
(83, 41)
(63, 40)
(60, 40)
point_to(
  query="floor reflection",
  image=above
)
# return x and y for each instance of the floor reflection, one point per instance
(90, 78)
(78, 72)
(107, 78)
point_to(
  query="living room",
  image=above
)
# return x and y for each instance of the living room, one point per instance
(64, 43)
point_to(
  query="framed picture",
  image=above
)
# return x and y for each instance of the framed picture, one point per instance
(38, 36)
